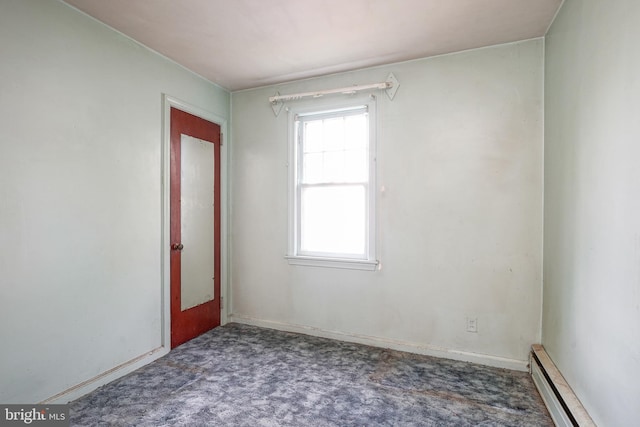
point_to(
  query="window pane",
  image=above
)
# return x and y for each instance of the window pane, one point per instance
(356, 162)
(334, 166)
(312, 168)
(333, 220)
(313, 136)
(334, 134)
(356, 132)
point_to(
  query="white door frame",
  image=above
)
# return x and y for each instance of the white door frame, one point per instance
(167, 103)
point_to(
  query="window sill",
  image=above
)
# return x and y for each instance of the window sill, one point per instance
(351, 264)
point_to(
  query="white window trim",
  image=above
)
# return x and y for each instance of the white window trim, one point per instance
(369, 263)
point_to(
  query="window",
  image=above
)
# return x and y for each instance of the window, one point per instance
(332, 186)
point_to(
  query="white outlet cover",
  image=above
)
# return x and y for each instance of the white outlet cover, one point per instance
(472, 324)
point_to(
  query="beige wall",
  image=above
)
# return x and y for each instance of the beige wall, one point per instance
(80, 195)
(459, 223)
(591, 320)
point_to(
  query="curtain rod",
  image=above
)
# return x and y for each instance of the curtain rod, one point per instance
(316, 94)
(390, 86)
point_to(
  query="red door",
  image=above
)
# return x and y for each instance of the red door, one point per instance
(195, 262)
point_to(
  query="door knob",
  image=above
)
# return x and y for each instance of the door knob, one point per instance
(177, 246)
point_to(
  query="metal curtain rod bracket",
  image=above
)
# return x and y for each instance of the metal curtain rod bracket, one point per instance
(390, 86)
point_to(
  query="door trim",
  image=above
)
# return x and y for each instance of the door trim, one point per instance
(165, 265)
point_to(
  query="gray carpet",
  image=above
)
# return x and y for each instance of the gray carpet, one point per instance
(239, 375)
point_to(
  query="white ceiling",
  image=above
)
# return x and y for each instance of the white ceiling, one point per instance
(241, 44)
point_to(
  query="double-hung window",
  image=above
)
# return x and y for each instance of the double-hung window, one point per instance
(332, 186)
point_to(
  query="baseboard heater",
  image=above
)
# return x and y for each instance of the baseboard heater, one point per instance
(564, 407)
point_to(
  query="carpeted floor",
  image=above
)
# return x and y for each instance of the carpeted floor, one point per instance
(239, 375)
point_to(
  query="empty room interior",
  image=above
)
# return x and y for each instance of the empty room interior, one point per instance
(361, 192)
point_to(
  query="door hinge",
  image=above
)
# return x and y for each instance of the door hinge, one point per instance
(221, 303)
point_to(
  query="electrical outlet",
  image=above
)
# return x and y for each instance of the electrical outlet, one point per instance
(472, 324)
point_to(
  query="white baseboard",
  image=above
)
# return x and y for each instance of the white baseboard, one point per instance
(483, 359)
(564, 406)
(557, 412)
(88, 386)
